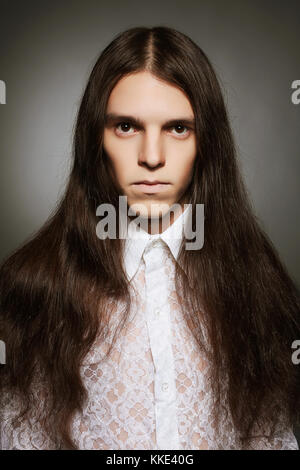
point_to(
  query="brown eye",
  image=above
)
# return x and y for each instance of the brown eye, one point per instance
(181, 128)
(123, 127)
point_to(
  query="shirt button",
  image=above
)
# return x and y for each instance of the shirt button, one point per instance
(157, 312)
(165, 387)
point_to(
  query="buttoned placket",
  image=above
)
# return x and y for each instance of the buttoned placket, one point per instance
(159, 330)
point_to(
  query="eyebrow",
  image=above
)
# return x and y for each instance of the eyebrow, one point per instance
(112, 118)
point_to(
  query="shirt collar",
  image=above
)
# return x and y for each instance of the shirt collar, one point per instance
(137, 239)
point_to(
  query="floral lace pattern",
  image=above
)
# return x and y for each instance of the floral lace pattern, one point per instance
(130, 404)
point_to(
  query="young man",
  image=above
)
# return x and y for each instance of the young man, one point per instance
(141, 343)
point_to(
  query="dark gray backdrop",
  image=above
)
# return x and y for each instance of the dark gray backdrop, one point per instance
(47, 50)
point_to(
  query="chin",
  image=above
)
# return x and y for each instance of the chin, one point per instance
(155, 209)
(146, 208)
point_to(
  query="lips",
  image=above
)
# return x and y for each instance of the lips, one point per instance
(150, 182)
(151, 187)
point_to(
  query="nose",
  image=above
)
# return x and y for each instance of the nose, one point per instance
(151, 151)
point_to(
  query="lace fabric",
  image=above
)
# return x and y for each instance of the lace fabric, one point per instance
(153, 391)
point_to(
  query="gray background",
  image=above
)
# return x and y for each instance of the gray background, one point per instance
(47, 50)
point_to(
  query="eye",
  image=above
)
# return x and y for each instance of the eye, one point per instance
(124, 126)
(181, 127)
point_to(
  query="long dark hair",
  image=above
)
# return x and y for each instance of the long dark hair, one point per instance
(56, 289)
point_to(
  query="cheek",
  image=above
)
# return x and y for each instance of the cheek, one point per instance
(123, 168)
(120, 167)
(119, 152)
(184, 153)
(186, 176)
(114, 154)
(185, 168)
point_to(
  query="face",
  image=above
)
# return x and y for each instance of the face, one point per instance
(149, 136)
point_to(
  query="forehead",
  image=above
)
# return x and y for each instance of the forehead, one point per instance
(144, 94)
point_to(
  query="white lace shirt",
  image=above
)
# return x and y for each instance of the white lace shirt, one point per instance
(153, 392)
